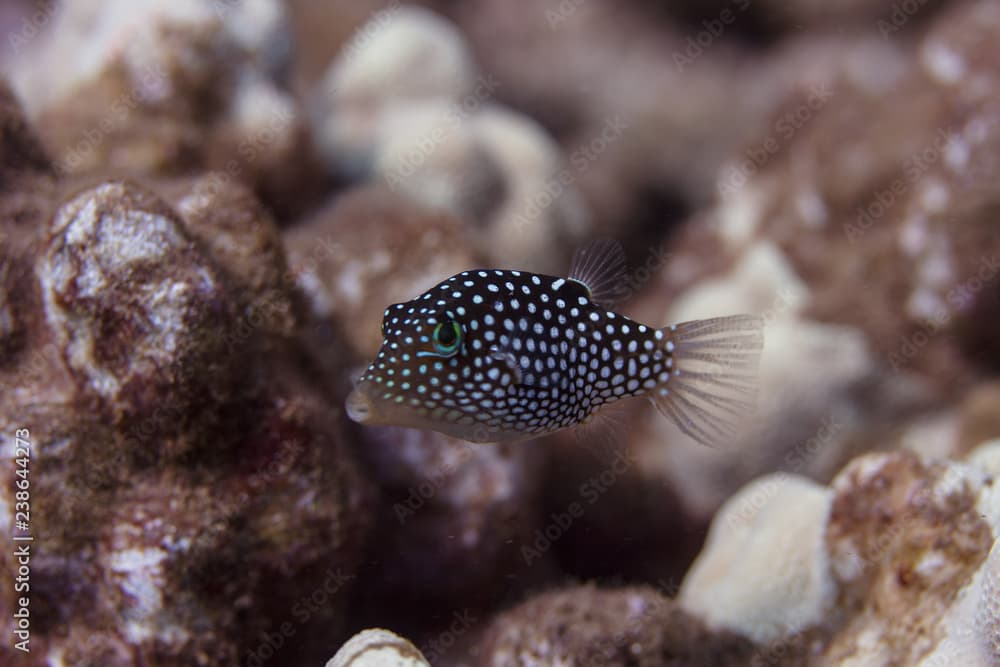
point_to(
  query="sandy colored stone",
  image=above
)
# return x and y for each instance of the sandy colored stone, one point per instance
(763, 572)
(434, 156)
(986, 457)
(378, 648)
(404, 105)
(402, 54)
(541, 217)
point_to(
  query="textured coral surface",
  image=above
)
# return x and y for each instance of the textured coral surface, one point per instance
(207, 205)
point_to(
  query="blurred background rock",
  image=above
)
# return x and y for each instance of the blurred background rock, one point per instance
(205, 206)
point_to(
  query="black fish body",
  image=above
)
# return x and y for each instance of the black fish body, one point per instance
(498, 355)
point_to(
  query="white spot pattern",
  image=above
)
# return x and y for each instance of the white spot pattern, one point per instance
(547, 385)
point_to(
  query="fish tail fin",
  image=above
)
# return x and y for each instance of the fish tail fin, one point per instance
(713, 381)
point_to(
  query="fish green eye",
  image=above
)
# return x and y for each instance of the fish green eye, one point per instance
(447, 337)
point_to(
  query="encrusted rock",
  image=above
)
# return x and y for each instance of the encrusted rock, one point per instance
(589, 626)
(197, 564)
(371, 249)
(165, 457)
(904, 538)
(242, 238)
(453, 517)
(159, 87)
(26, 189)
(138, 310)
(891, 230)
(401, 104)
(889, 565)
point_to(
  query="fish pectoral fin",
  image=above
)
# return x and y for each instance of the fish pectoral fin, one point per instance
(510, 360)
(600, 267)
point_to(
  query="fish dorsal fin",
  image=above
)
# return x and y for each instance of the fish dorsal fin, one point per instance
(600, 267)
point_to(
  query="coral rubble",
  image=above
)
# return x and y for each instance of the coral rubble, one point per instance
(206, 206)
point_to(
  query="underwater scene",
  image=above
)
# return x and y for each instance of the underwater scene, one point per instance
(499, 333)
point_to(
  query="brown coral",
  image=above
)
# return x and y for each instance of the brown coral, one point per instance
(585, 625)
(166, 462)
(136, 306)
(197, 495)
(904, 537)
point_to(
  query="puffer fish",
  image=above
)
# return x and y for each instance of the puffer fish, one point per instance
(502, 355)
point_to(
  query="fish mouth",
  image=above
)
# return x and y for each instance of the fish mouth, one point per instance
(359, 407)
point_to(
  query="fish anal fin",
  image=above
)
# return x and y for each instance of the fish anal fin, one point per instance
(603, 432)
(712, 389)
(600, 267)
